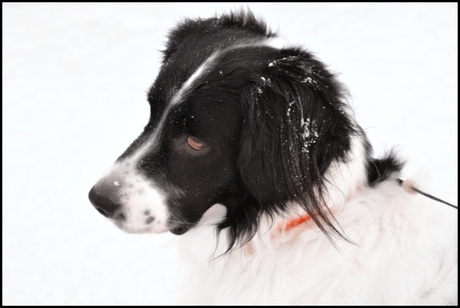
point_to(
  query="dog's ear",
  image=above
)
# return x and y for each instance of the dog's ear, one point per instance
(295, 125)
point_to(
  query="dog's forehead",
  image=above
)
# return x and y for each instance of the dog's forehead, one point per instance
(164, 97)
(181, 76)
(186, 69)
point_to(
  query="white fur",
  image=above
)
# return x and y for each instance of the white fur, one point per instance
(404, 248)
(405, 252)
(344, 179)
(139, 197)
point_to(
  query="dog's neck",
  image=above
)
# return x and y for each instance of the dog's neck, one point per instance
(343, 180)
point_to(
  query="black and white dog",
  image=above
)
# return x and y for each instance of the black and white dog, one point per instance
(253, 156)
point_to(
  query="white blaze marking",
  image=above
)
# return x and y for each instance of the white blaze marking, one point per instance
(206, 66)
(276, 42)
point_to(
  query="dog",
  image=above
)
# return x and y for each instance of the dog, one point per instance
(254, 157)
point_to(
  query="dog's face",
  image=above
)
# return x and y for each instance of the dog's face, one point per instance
(183, 162)
(235, 119)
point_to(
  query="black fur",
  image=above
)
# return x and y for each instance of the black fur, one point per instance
(379, 170)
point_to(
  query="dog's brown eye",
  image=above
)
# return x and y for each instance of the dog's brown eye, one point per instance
(195, 144)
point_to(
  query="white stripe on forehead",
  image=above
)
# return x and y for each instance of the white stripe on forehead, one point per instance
(206, 66)
(175, 100)
(187, 86)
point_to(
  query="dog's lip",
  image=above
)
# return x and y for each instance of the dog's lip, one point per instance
(138, 230)
(179, 230)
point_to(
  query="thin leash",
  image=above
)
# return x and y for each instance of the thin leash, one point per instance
(400, 182)
(406, 185)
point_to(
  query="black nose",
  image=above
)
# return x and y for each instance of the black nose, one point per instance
(103, 204)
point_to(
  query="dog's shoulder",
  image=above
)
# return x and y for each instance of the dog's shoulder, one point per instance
(401, 250)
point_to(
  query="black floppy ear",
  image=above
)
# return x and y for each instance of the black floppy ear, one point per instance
(295, 125)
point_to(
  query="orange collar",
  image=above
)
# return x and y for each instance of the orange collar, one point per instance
(293, 223)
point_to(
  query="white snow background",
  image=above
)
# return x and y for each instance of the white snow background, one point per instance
(75, 78)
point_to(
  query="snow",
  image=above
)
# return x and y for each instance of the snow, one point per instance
(75, 78)
(308, 80)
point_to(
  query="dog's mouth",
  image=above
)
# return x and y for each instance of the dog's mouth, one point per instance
(179, 230)
(133, 230)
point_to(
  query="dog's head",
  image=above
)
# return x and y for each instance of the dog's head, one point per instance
(237, 119)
